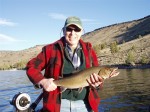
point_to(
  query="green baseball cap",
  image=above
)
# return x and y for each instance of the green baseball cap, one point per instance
(73, 21)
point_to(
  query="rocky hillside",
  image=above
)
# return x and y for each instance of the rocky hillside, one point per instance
(132, 36)
(18, 59)
(132, 45)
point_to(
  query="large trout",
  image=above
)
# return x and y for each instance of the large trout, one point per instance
(79, 79)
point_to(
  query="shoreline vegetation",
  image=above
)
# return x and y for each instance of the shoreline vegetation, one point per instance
(119, 66)
(17, 66)
(136, 66)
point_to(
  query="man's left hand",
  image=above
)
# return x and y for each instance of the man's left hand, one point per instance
(95, 80)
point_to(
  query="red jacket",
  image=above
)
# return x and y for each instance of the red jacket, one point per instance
(51, 59)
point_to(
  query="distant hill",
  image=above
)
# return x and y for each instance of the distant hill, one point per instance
(133, 36)
(132, 41)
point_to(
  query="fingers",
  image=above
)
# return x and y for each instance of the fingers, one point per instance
(114, 73)
(95, 80)
(49, 85)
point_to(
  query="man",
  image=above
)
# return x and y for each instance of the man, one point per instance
(59, 60)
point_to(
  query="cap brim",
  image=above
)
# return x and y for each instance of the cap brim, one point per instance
(75, 25)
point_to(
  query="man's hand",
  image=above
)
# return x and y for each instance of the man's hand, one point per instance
(114, 73)
(95, 80)
(48, 84)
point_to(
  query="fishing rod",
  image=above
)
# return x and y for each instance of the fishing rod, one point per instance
(22, 102)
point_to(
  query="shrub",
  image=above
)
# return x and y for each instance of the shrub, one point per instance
(5, 67)
(20, 65)
(123, 41)
(133, 48)
(103, 46)
(139, 36)
(144, 60)
(96, 48)
(114, 47)
(130, 58)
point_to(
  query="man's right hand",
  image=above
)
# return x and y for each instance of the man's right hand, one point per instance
(48, 84)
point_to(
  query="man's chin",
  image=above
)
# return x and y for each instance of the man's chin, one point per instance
(72, 43)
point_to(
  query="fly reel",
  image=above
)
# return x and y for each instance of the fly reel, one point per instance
(21, 101)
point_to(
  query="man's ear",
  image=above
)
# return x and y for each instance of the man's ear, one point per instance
(64, 30)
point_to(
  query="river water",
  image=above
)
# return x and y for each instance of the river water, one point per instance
(128, 92)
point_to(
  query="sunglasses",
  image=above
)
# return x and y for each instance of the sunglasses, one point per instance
(71, 29)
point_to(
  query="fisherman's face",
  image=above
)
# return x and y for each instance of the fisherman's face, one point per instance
(72, 34)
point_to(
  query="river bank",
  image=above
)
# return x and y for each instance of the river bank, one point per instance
(119, 66)
(136, 66)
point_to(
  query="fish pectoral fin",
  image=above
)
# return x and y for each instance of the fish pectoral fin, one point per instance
(80, 89)
(62, 89)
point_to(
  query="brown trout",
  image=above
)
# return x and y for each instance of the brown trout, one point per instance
(79, 79)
